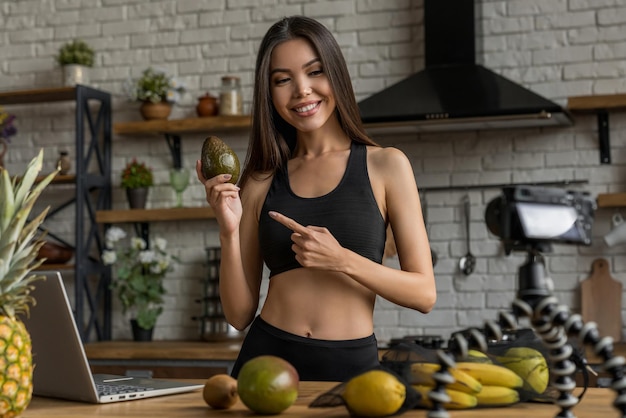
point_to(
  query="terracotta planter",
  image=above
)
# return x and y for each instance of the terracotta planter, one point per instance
(155, 111)
(137, 197)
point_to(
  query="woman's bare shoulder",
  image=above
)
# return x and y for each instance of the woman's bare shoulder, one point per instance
(387, 159)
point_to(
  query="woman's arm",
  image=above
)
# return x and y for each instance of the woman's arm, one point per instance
(241, 266)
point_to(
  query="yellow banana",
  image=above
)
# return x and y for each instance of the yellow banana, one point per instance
(422, 374)
(491, 374)
(496, 396)
(458, 399)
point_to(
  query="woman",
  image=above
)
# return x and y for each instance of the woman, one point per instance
(314, 201)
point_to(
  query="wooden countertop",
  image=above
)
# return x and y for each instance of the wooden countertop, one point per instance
(179, 350)
(204, 350)
(596, 403)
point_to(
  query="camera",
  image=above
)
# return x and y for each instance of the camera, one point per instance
(531, 217)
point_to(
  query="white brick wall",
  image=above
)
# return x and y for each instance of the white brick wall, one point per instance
(557, 48)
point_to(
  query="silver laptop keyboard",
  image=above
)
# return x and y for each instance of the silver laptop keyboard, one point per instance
(104, 389)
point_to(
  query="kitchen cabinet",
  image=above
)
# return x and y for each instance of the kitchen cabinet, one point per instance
(92, 192)
(600, 105)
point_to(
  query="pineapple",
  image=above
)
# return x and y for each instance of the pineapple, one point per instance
(19, 246)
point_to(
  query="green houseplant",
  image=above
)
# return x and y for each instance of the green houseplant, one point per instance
(137, 178)
(76, 57)
(157, 90)
(140, 271)
(76, 52)
(136, 174)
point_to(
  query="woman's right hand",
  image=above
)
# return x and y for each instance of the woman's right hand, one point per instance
(223, 197)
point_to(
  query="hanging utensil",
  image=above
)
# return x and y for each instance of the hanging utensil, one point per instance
(467, 263)
(433, 253)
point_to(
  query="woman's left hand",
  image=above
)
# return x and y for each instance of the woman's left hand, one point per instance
(314, 246)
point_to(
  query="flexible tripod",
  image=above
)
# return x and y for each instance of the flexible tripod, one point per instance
(553, 323)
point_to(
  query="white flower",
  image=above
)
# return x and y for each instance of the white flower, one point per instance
(156, 268)
(147, 257)
(160, 243)
(113, 235)
(109, 257)
(138, 243)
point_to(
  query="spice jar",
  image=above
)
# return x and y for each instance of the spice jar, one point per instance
(63, 163)
(207, 105)
(231, 101)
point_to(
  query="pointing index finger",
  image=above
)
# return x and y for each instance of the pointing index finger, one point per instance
(288, 222)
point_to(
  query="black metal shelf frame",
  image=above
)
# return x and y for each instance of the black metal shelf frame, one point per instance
(92, 296)
(93, 149)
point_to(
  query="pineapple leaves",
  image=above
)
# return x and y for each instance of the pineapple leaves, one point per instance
(19, 244)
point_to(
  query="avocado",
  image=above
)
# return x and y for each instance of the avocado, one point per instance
(218, 158)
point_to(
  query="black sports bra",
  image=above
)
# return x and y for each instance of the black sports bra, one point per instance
(349, 212)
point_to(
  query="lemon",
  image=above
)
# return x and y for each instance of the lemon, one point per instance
(375, 393)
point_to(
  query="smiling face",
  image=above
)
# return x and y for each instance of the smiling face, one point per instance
(300, 89)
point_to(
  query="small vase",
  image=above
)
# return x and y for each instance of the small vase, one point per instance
(137, 197)
(207, 106)
(140, 334)
(74, 74)
(63, 163)
(155, 111)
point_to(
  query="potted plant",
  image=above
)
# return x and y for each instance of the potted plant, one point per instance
(136, 178)
(157, 91)
(75, 57)
(138, 282)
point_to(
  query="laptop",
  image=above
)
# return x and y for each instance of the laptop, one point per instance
(61, 368)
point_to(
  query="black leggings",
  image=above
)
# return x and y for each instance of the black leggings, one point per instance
(321, 360)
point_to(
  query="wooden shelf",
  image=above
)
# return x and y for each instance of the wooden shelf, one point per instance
(180, 126)
(594, 103)
(154, 215)
(611, 200)
(56, 94)
(600, 105)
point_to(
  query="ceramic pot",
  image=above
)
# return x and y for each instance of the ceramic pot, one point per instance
(140, 334)
(74, 74)
(55, 253)
(155, 111)
(207, 106)
(137, 197)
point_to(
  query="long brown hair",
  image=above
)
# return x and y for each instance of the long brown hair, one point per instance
(272, 140)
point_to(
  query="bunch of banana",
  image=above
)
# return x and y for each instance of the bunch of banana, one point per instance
(496, 396)
(491, 374)
(475, 384)
(451, 399)
(425, 374)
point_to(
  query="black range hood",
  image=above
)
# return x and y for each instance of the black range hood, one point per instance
(452, 92)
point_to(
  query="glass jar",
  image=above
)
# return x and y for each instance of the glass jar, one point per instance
(231, 100)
